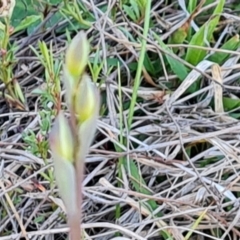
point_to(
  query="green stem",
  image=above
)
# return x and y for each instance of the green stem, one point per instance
(120, 162)
(6, 34)
(137, 80)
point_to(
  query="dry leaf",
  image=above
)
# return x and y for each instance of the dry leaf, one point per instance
(218, 92)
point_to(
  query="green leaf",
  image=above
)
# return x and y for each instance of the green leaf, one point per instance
(113, 62)
(205, 33)
(235, 115)
(191, 6)
(135, 7)
(178, 36)
(39, 219)
(26, 22)
(21, 10)
(230, 103)
(220, 57)
(142, 4)
(130, 12)
(177, 67)
(148, 64)
(56, 18)
(139, 183)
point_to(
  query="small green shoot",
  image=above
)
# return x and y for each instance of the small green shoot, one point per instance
(13, 94)
(52, 92)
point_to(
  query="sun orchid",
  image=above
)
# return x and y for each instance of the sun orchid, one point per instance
(70, 140)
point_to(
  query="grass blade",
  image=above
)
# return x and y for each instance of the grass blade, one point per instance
(194, 56)
(177, 67)
(220, 57)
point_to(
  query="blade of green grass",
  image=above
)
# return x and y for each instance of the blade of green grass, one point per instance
(220, 57)
(191, 6)
(132, 170)
(205, 33)
(117, 148)
(195, 225)
(230, 103)
(26, 22)
(183, 31)
(137, 80)
(130, 165)
(177, 67)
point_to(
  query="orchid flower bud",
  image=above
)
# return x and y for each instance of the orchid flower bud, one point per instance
(77, 56)
(61, 139)
(87, 99)
(75, 63)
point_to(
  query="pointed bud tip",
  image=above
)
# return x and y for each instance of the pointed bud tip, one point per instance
(77, 55)
(87, 101)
